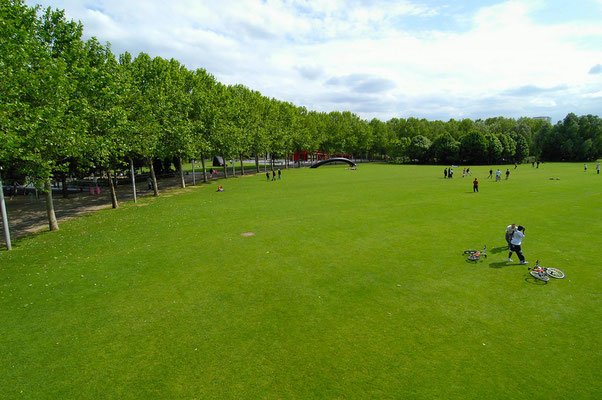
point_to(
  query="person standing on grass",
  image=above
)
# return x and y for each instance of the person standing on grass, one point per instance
(450, 174)
(509, 232)
(498, 175)
(267, 175)
(445, 173)
(490, 173)
(598, 169)
(584, 167)
(273, 175)
(515, 243)
(475, 185)
(507, 173)
(279, 174)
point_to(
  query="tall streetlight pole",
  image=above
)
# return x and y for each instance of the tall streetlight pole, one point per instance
(4, 216)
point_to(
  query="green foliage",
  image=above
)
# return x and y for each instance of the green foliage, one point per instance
(68, 106)
(473, 148)
(419, 148)
(575, 138)
(494, 149)
(445, 149)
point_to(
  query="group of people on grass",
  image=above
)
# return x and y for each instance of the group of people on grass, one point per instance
(267, 174)
(597, 168)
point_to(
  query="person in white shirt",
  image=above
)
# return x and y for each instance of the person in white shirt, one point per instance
(498, 175)
(517, 240)
(509, 231)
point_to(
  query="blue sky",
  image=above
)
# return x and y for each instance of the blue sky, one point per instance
(429, 59)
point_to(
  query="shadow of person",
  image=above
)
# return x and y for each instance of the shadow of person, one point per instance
(501, 264)
(500, 249)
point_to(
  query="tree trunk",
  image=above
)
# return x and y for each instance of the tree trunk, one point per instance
(225, 169)
(64, 185)
(257, 162)
(4, 217)
(204, 169)
(242, 166)
(133, 179)
(114, 202)
(52, 223)
(153, 177)
(182, 181)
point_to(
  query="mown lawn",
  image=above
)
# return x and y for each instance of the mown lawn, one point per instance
(353, 286)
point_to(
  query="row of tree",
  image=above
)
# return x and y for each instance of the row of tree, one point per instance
(69, 106)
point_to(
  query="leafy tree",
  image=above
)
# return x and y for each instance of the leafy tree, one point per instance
(145, 107)
(418, 148)
(494, 149)
(203, 115)
(40, 116)
(508, 147)
(473, 148)
(445, 149)
(521, 146)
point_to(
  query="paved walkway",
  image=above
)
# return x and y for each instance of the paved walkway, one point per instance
(27, 215)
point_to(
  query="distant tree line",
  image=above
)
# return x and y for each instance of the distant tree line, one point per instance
(69, 106)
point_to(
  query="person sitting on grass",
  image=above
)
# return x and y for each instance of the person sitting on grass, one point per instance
(220, 189)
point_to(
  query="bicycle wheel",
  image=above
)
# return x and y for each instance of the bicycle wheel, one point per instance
(555, 273)
(470, 251)
(539, 275)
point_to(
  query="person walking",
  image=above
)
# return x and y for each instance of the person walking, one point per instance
(598, 169)
(273, 175)
(450, 174)
(475, 185)
(490, 173)
(584, 167)
(509, 232)
(267, 175)
(507, 173)
(279, 174)
(498, 175)
(515, 243)
(445, 173)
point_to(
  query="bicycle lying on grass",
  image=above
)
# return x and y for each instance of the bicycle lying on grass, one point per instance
(476, 255)
(544, 273)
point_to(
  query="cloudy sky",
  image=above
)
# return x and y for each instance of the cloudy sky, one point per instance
(434, 59)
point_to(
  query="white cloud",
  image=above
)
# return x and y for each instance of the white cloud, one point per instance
(289, 49)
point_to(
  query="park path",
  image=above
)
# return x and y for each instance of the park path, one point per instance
(26, 215)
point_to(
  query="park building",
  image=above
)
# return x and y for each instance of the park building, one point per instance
(547, 119)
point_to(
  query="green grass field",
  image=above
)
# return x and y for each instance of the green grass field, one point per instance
(354, 286)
